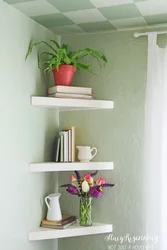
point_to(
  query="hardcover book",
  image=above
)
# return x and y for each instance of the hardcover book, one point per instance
(59, 226)
(65, 219)
(70, 90)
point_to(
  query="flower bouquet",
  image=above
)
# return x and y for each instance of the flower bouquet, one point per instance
(86, 188)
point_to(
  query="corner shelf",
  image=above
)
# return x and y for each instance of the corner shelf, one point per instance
(64, 104)
(73, 231)
(57, 167)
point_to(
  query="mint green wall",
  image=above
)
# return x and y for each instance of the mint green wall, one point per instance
(117, 134)
(26, 132)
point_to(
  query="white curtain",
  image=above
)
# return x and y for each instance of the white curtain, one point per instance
(156, 143)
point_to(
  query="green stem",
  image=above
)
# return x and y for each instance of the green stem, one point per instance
(85, 211)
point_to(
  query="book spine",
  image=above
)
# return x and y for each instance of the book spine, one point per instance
(70, 145)
(65, 146)
(58, 149)
(62, 95)
(61, 146)
(73, 144)
(59, 227)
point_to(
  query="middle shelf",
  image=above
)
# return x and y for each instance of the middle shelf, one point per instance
(70, 166)
(73, 231)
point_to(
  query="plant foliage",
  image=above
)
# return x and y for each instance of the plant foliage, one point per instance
(61, 55)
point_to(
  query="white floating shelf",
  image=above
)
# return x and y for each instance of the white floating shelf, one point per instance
(73, 231)
(64, 104)
(55, 167)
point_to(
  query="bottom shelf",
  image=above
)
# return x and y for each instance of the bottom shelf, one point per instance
(73, 231)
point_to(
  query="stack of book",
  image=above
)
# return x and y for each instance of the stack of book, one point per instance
(62, 224)
(70, 92)
(65, 145)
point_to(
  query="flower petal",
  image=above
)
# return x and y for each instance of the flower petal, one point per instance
(85, 187)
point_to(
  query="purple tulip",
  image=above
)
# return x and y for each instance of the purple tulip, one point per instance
(72, 189)
(95, 192)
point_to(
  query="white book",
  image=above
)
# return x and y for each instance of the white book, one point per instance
(70, 89)
(70, 145)
(64, 95)
(61, 146)
(72, 128)
(65, 146)
(73, 143)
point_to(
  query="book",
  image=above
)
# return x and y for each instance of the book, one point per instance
(75, 96)
(65, 219)
(72, 128)
(59, 226)
(57, 148)
(65, 146)
(70, 90)
(61, 146)
(70, 145)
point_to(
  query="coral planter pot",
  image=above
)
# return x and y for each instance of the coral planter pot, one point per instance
(64, 75)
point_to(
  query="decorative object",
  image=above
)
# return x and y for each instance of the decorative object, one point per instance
(85, 153)
(67, 220)
(63, 62)
(86, 188)
(54, 211)
(63, 74)
(85, 211)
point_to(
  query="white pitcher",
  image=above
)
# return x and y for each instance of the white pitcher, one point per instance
(85, 153)
(54, 211)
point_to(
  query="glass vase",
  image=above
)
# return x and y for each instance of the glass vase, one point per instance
(85, 211)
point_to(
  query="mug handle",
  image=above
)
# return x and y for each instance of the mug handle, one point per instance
(94, 153)
(46, 201)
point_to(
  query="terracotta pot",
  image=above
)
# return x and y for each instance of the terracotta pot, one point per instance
(64, 75)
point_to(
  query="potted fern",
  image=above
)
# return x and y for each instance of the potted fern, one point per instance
(62, 62)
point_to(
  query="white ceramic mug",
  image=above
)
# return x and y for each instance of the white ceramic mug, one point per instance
(85, 153)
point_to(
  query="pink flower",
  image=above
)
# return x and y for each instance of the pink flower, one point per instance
(72, 178)
(100, 181)
(87, 177)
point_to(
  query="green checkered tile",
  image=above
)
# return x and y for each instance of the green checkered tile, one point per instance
(71, 5)
(156, 19)
(120, 11)
(53, 20)
(85, 16)
(78, 16)
(106, 3)
(67, 29)
(129, 23)
(97, 26)
(36, 8)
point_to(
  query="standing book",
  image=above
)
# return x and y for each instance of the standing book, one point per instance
(70, 145)
(61, 146)
(66, 146)
(57, 148)
(72, 128)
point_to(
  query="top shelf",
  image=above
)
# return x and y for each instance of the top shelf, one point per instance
(64, 104)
